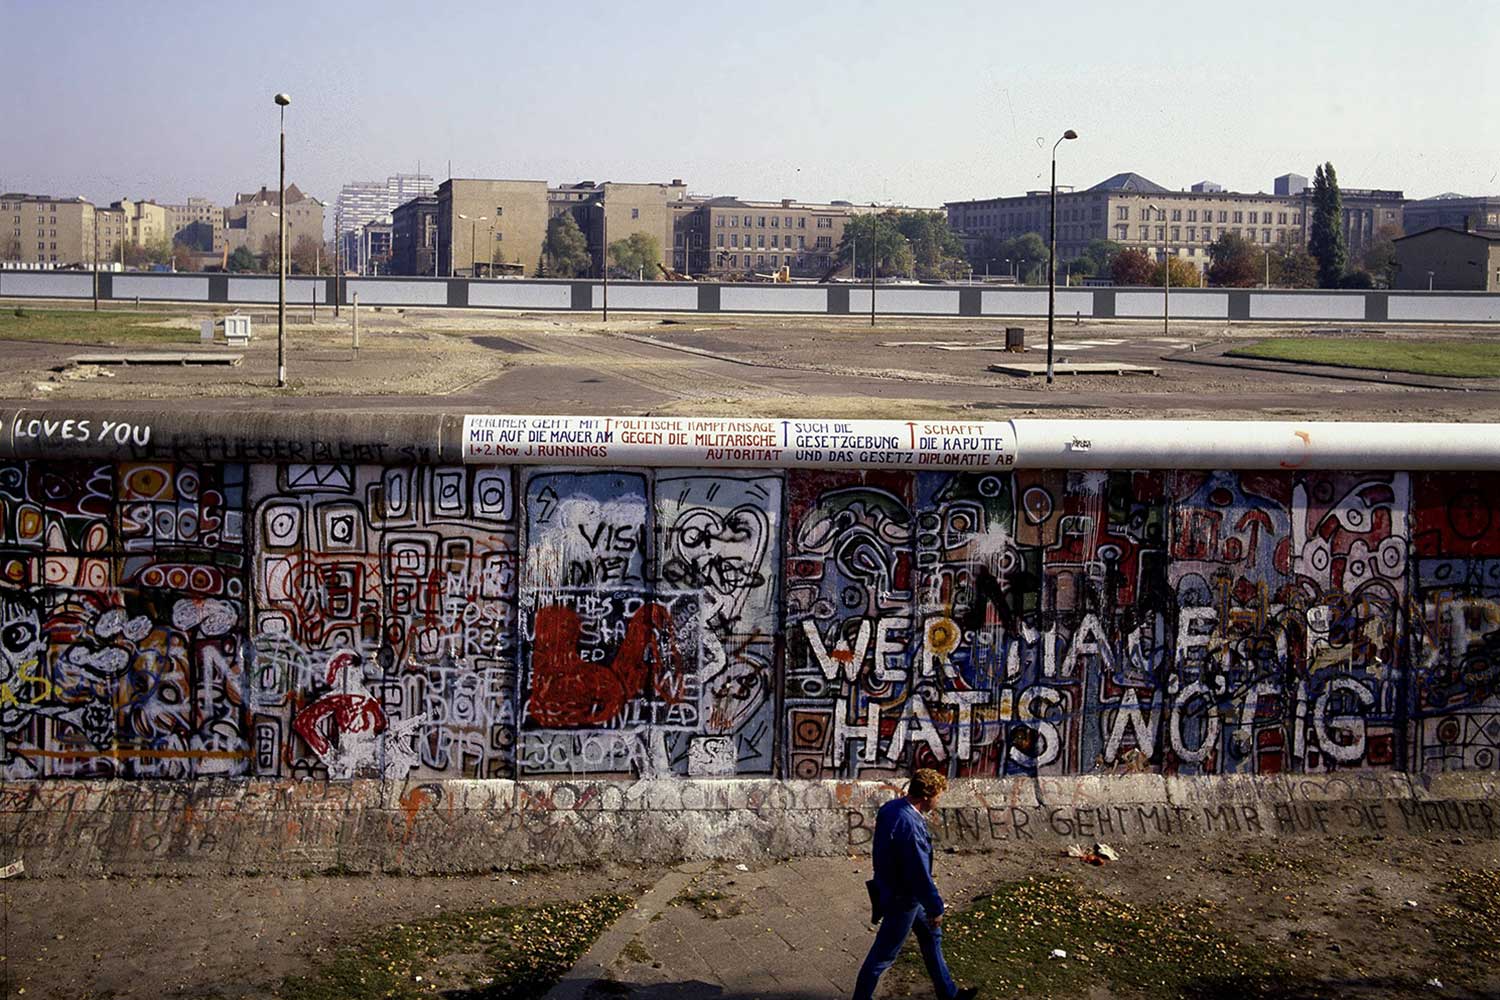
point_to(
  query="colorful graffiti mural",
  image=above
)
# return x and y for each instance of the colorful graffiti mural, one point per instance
(167, 620)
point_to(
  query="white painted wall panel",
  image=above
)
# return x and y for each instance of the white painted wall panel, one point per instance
(520, 295)
(170, 287)
(1188, 305)
(398, 293)
(912, 301)
(1473, 308)
(773, 298)
(1309, 305)
(21, 284)
(665, 296)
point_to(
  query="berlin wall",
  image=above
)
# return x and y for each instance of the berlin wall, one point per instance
(1228, 305)
(548, 628)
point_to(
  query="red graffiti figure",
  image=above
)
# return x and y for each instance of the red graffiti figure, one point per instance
(567, 691)
(353, 713)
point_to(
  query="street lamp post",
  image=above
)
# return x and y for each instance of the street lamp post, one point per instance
(1166, 270)
(1052, 252)
(282, 100)
(604, 254)
(474, 241)
(96, 260)
(338, 259)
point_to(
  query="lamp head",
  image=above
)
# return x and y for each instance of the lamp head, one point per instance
(1070, 134)
(283, 99)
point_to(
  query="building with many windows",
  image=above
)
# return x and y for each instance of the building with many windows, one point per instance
(1140, 214)
(482, 223)
(39, 229)
(362, 202)
(414, 236)
(251, 222)
(198, 224)
(1456, 211)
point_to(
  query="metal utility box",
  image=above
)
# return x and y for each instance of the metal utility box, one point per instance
(206, 331)
(1015, 339)
(237, 330)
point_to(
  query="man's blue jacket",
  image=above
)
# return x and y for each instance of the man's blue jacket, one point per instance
(903, 859)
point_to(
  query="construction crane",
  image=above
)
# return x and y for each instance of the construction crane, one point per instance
(671, 275)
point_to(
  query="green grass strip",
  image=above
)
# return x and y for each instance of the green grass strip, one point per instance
(1454, 358)
(516, 952)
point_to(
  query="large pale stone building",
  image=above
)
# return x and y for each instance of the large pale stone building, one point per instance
(61, 232)
(199, 224)
(252, 220)
(482, 223)
(1140, 214)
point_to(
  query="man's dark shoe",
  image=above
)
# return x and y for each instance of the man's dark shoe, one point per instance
(967, 993)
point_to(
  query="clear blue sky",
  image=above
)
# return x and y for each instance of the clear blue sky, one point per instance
(870, 101)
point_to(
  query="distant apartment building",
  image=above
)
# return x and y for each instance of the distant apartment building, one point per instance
(486, 225)
(414, 236)
(363, 202)
(1140, 214)
(40, 229)
(1455, 211)
(728, 235)
(198, 224)
(146, 220)
(251, 222)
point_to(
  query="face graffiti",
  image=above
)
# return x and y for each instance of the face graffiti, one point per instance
(163, 619)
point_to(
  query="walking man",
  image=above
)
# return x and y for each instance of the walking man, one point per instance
(904, 894)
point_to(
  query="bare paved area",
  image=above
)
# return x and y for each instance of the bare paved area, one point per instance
(119, 938)
(730, 365)
(1350, 917)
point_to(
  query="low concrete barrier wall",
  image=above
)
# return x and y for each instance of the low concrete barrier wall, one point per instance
(1271, 305)
(266, 640)
(294, 827)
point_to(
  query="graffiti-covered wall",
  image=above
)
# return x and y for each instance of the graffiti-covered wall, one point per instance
(182, 620)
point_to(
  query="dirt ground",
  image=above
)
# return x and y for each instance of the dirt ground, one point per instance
(773, 366)
(118, 938)
(1351, 918)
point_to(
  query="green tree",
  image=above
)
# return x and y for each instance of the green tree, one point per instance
(1326, 242)
(880, 237)
(182, 257)
(635, 256)
(1234, 263)
(1184, 274)
(1131, 267)
(1293, 267)
(243, 260)
(565, 252)
(1380, 256)
(1357, 279)
(936, 249)
(1099, 253)
(1027, 254)
(134, 255)
(305, 253)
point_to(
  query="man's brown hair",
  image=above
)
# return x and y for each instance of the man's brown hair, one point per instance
(925, 783)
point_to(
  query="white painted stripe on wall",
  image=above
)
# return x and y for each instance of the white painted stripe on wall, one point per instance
(24, 285)
(299, 291)
(1444, 308)
(398, 293)
(673, 296)
(1033, 302)
(520, 295)
(1195, 305)
(916, 301)
(177, 287)
(770, 298)
(1312, 305)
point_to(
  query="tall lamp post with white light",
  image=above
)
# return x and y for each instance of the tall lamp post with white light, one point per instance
(1052, 252)
(474, 222)
(1166, 269)
(282, 100)
(604, 253)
